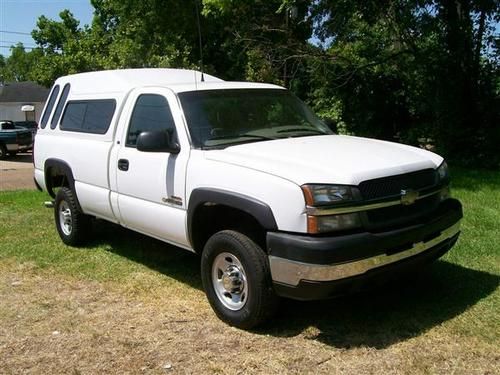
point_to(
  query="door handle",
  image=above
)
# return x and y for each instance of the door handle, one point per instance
(123, 165)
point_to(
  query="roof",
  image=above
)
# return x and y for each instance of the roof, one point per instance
(224, 85)
(26, 92)
(123, 80)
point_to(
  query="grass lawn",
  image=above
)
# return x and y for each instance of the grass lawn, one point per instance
(130, 304)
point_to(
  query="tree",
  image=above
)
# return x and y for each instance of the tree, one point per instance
(67, 48)
(146, 33)
(18, 66)
(463, 129)
(425, 72)
(412, 69)
(267, 38)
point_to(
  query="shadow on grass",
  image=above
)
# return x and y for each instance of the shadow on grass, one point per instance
(377, 319)
(169, 260)
(390, 314)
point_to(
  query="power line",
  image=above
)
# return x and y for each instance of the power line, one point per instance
(12, 41)
(14, 32)
(15, 46)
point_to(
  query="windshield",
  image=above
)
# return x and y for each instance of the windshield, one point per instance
(220, 118)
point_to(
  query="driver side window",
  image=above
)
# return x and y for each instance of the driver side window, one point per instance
(151, 113)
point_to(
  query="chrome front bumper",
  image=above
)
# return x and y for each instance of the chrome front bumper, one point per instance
(290, 272)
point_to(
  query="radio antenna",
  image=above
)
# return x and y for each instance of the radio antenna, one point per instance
(199, 39)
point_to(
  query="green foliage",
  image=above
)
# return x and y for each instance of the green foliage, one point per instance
(52, 35)
(413, 70)
(268, 38)
(405, 70)
(18, 66)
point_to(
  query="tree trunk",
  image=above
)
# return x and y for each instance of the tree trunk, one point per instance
(479, 43)
(459, 113)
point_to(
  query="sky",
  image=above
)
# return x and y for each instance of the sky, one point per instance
(18, 18)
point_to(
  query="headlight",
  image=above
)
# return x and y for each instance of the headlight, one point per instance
(322, 195)
(323, 224)
(443, 173)
(327, 195)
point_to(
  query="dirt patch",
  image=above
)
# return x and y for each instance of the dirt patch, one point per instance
(17, 172)
(55, 324)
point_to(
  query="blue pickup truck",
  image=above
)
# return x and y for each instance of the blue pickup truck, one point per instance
(14, 139)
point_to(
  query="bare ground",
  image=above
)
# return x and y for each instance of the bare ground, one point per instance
(17, 172)
(52, 324)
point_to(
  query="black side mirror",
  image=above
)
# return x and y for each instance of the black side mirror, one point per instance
(157, 141)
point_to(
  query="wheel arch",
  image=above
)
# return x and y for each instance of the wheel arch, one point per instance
(205, 203)
(58, 173)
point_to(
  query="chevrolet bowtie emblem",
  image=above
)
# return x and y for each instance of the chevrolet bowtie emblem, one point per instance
(408, 197)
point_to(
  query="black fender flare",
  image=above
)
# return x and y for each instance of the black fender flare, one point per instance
(63, 168)
(254, 207)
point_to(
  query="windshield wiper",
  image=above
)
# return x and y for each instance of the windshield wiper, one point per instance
(245, 135)
(315, 131)
(252, 138)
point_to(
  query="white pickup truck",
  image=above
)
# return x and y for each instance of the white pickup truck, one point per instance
(245, 175)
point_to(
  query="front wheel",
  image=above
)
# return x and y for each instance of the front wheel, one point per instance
(72, 224)
(237, 280)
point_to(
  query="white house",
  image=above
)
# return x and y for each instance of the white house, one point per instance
(22, 101)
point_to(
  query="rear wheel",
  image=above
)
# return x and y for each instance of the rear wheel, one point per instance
(72, 224)
(237, 281)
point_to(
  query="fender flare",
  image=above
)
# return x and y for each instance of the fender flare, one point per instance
(254, 207)
(62, 168)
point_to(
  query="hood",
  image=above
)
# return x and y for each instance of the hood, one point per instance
(330, 159)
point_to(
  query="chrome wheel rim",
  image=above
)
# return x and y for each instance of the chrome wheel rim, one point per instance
(229, 281)
(65, 220)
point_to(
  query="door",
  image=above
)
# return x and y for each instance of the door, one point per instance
(150, 186)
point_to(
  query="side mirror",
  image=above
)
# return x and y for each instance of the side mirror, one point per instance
(157, 141)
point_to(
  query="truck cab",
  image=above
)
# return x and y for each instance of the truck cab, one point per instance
(246, 176)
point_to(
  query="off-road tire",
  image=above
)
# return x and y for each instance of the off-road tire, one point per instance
(261, 300)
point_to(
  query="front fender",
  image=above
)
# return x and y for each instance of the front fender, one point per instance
(254, 207)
